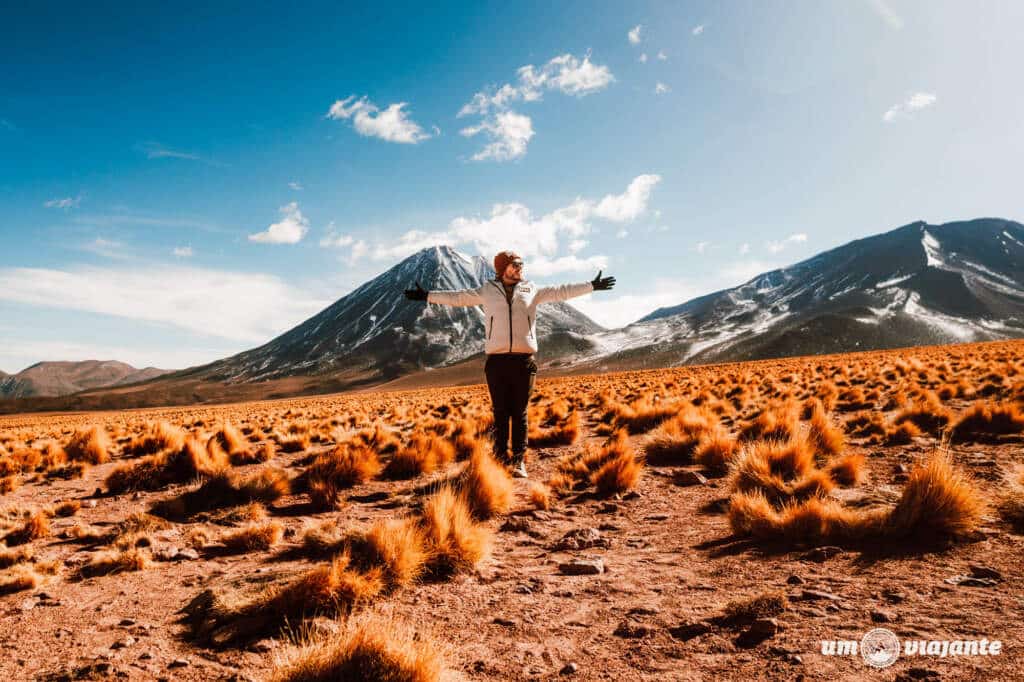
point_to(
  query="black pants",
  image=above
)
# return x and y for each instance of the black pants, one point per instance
(510, 378)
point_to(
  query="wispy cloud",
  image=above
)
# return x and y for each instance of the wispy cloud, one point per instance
(905, 109)
(391, 124)
(126, 219)
(888, 15)
(510, 131)
(779, 246)
(334, 239)
(7, 125)
(66, 203)
(296, 186)
(182, 251)
(643, 58)
(698, 29)
(660, 88)
(231, 305)
(634, 35)
(155, 150)
(108, 248)
(289, 230)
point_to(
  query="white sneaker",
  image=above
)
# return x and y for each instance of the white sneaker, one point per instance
(519, 471)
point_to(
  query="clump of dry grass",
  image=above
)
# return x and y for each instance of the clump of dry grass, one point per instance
(643, 415)
(421, 455)
(716, 450)
(937, 501)
(366, 649)
(293, 443)
(1011, 500)
(231, 441)
(987, 421)
(826, 438)
(226, 488)
(153, 472)
(903, 433)
(10, 557)
(455, 540)
(253, 455)
(36, 526)
(561, 434)
(397, 546)
(848, 470)
(9, 483)
(162, 436)
(764, 605)
(781, 470)
(91, 445)
(674, 441)
(18, 579)
(345, 466)
(927, 413)
(779, 424)
(67, 508)
(257, 536)
(540, 496)
(116, 561)
(486, 485)
(620, 471)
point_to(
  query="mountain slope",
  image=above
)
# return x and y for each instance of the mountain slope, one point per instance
(917, 284)
(375, 333)
(65, 378)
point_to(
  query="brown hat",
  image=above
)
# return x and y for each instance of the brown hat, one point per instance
(502, 260)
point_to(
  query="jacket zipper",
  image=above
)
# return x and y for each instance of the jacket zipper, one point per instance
(490, 328)
(529, 325)
(509, 301)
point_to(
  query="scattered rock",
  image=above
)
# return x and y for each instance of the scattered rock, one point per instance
(815, 595)
(971, 581)
(643, 611)
(688, 631)
(186, 554)
(91, 504)
(28, 604)
(507, 622)
(145, 656)
(979, 571)
(894, 596)
(569, 668)
(883, 616)
(520, 524)
(629, 630)
(685, 477)
(581, 538)
(582, 567)
(820, 554)
(608, 508)
(123, 643)
(632, 495)
(657, 517)
(126, 622)
(794, 580)
(263, 646)
(178, 663)
(918, 674)
(760, 630)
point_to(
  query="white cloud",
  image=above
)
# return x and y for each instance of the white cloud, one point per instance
(744, 248)
(65, 203)
(509, 133)
(106, 247)
(391, 124)
(537, 238)
(643, 57)
(662, 56)
(155, 150)
(622, 233)
(915, 102)
(231, 305)
(297, 186)
(778, 246)
(627, 206)
(612, 309)
(634, 35)
(882, 9)
(698, 29)
(182, 251)
(701, 247)
(334, 239)
(290, 230)
(660, 88)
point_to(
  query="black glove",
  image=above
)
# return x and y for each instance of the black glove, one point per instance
(417, 294)
(602, 283)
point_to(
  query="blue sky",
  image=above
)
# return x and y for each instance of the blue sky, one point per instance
(180, 184)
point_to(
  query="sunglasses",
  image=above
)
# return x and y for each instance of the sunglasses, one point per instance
(517, 264)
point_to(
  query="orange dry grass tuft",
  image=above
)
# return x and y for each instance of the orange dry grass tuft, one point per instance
(455, 540)
(565, 433)
(190, 461)
(620, 473)
(937, 500)
(421, 455)
(259, 536)
(928, 414)
(903, 433)
(254, 455)
(163, 436)
(91, 445)
(1011, 500)
(35, 527)
(675, 440)
(114, 561)
(781, 470)
(716, 450)
(397, 546)
(335, 588)
(19, 579)
(643, 415)
(848, 470)
(486, 485)
(540, 496)
(345, 466)
(987, 421)
(365, 650)
(772, 424)
(826, 438)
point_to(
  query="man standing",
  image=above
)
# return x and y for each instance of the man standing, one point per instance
(510, 319)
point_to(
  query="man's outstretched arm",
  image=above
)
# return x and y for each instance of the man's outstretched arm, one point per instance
(566, 291)
(462, 297)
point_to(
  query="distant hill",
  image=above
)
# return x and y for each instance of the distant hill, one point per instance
(64, 378)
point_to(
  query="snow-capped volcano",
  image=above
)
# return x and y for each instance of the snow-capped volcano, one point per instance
(375, 332)
(917, 284)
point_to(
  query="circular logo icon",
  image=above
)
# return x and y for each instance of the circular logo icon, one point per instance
(880, 647)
